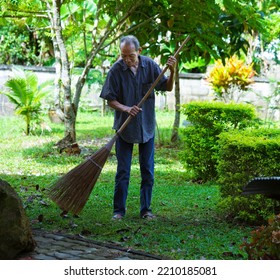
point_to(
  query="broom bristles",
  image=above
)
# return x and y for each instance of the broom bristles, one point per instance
(72, 190)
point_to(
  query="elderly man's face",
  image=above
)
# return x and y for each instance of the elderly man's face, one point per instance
(129, 54)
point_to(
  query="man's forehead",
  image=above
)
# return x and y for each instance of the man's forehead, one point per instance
(128, 46)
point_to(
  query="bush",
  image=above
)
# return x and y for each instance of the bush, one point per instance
(207, 121)
(265, 244)
(242, 156)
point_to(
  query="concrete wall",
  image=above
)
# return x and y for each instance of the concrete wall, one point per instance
(192, 87)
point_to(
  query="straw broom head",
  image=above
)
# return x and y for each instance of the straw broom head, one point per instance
(72, 190)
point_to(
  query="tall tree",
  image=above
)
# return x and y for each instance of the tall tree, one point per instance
(217, 30)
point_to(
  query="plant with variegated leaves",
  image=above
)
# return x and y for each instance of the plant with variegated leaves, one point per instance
(265, 243)
(230, 80)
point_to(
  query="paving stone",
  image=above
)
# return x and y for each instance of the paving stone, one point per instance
(54, 236)
(42, 257)
(41, 239)
(80, 247)
(73, 252)
(62, 256)
(57, 246)
(91, 257)
(91, 250)
(113, 253)
(54, 248)
(44, 251)
(63, 243)
(78, 242)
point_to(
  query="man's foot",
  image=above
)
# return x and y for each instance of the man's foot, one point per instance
(148, 216)
(117, 217)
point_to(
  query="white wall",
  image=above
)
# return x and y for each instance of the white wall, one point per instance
(192, 87)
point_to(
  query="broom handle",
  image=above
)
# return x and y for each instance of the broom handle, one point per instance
(152, 87)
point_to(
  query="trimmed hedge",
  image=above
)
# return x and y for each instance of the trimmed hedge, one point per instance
(242, 156)
(207, 120)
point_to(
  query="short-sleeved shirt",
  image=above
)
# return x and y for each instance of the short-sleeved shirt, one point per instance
(128, 89)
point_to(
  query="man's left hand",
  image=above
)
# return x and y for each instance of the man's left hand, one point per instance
(171, 63)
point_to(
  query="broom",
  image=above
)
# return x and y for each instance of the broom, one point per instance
(72, 190)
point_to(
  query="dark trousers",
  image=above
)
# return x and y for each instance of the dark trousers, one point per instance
(146, 161)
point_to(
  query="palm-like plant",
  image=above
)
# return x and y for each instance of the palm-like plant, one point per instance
(24, 91)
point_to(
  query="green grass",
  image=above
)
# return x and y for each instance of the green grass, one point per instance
(189, 226)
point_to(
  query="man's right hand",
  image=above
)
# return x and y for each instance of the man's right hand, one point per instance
(132, 111)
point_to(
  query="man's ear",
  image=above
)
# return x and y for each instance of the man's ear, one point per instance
(140, 50)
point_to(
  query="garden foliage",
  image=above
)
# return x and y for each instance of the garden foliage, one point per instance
(242, 156)
(206, 121)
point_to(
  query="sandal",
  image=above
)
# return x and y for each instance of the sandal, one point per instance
(148, 216)
(117, 217)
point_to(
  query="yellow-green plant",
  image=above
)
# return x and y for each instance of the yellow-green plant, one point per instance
(24, 91)
(230, 80)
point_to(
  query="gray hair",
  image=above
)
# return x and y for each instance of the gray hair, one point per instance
(130, 39)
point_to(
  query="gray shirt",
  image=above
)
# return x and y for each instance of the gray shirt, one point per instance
(128, 89)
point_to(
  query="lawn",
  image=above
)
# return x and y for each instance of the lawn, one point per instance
(188, 224)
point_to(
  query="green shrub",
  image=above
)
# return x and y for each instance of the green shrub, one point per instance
(207, 121)
(242, 156)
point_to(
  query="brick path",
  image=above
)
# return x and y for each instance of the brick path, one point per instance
(57, 246)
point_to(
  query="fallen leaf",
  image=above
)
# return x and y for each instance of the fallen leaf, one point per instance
(23, 189)
(73, 225)
(125, 238)
(85, 232)
(40, 218)
(30, 199)
(138, 230)
(63, 214)
(228, 254)
(122, 230)
(42, 202)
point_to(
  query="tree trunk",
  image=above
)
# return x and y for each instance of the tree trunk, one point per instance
(176, 124)
(27, 118)
(57, 89)
(69, 110)
(57, 76)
